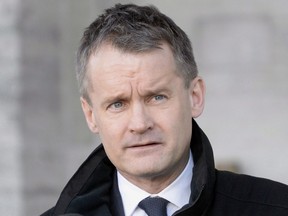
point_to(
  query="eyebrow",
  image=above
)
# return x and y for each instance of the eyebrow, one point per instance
(110, 99)
(154, 91)
(157, 86)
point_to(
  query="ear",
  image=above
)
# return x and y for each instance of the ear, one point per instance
(89, 115)
(197, 91)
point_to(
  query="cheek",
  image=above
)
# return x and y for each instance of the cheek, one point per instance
(111, 143)
(109, 136)
(108, 125)
(111, 133)
(181, 121)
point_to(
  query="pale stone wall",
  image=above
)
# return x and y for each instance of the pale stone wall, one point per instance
(10, 141)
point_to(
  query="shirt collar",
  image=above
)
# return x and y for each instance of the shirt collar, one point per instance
(132, 195)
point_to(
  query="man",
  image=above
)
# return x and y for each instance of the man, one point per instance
(140, 91)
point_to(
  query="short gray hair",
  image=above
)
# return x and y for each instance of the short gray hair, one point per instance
(135, 29)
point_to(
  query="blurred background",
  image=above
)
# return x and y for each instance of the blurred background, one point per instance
(242, 52)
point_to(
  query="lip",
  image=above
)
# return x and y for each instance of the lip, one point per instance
(144, 145)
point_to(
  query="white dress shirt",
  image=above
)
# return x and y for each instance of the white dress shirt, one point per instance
(177, 193)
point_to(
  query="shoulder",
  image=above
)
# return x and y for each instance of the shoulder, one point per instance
(251, 190)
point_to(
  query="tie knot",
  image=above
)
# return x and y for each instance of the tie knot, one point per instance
(154, 206)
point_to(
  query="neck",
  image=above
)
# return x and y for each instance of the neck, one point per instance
(153, 184)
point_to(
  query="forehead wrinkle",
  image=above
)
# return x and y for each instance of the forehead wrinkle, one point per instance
(118, 86)
(156, 84)
(115, 74)
(127, 65)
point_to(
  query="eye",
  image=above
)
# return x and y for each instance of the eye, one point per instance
(116, 106)
(156, 99)
(159, 97)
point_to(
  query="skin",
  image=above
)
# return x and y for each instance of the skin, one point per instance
(142, 112)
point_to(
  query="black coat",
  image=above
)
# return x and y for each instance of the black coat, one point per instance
(92, 190)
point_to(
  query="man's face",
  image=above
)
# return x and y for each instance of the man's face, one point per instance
(142, 111)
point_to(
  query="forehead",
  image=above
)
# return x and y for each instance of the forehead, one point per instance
(109, 62)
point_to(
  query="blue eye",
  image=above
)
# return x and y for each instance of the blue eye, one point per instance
(117, 105)
(159, 97)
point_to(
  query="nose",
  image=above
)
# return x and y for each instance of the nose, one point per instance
(140, 120)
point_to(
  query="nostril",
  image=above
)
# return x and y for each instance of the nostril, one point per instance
(140, 128)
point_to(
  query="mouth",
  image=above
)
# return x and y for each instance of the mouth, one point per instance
(145, 145)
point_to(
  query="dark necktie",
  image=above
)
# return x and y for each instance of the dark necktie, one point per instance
(154, 206)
